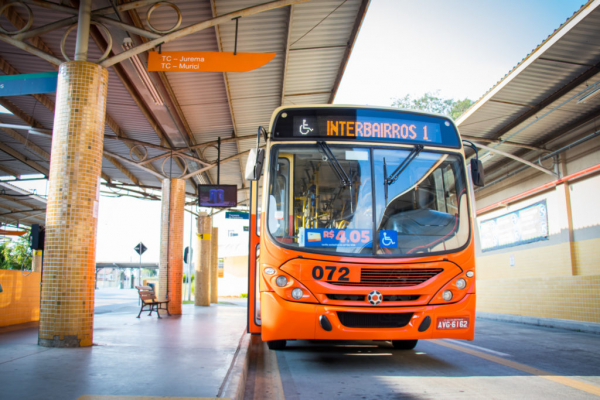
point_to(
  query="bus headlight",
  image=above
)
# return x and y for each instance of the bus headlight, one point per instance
(297, 293)
(270, 271)
(281, 281)
(447, 295)
(470, 274)
(461, 283)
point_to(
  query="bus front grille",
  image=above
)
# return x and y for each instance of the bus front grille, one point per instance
(374, 320)
(386, 297)
(392, 277)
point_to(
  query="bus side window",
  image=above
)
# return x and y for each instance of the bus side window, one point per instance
(259, 204)
(439, 190)
(450, 187)
(279, 200)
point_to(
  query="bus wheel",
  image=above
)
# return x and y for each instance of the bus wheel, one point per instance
(404, 344)
(277, 344)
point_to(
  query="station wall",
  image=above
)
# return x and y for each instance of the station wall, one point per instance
(554, 278)
(20, 297)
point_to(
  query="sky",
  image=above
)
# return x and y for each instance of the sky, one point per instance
(459, 48)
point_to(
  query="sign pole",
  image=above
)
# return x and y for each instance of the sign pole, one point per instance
(219, 160)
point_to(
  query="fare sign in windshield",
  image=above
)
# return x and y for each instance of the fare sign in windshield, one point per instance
(366, 124)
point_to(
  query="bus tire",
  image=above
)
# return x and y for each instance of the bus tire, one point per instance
(276, 344)
(404, 344)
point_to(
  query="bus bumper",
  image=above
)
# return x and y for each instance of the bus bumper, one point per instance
(285, 320)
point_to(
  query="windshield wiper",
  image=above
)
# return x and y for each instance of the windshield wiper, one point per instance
(389, 180)
(335, 164)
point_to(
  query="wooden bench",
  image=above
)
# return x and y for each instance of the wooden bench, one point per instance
(148, 298)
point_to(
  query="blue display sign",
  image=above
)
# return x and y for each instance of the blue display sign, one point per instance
(16, 85)
(236, 215)
(388, 239)
(335, 237)
(527, 225)
(339, 123)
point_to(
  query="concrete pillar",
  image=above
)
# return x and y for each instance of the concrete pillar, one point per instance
(36, 260)
(171, 243)
(67, 306)
(202, 261)
(214, 266)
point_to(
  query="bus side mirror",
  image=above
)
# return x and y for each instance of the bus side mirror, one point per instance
(254, 165)
(477, 174)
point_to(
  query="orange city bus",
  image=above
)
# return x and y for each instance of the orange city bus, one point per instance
(361, 227)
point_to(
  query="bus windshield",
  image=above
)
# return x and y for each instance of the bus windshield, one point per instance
(348, 199)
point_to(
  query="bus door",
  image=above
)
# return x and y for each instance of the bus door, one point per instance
(281, 201)
(253, 260)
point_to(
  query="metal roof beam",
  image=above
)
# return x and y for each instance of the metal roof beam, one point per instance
(10, 106)
(287, 51)
(172, 105)
(507, 143)
(16, 201)
(359, 20)
(188, 30)
(23, 191)
(8, 69)
(516, 158)
(114, 126)
(213, 8)
(17, 210)
(201, 170)
(9, 171)
(581, 79)
(158, 175)
(550, 138)
(24, 159)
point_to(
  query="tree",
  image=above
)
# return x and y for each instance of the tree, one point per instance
(432, 102)
(15, 254)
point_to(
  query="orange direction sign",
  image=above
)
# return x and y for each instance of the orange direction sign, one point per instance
(207, 61)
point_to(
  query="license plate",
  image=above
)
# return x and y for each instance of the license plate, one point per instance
(453, 323)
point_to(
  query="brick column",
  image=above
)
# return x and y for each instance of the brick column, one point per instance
(214, 265)
(171, 243)
(202, 261)
(67, 307)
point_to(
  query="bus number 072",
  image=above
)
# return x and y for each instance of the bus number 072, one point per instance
(318, 273)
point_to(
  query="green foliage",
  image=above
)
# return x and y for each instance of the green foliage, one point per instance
(432, 102)
(14, 254)
(185, 278)
(244, 295)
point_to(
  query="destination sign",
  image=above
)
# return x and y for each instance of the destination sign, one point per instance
(206, 61)
(365, 124)
(367, 128)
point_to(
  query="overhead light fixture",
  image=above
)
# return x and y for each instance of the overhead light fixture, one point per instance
(142, 73)
(590, 95)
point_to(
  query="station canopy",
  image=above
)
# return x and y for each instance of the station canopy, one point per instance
(166, 124)
(547, 103)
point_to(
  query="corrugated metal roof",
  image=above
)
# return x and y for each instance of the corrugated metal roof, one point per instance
(311, 40)
(536, 103)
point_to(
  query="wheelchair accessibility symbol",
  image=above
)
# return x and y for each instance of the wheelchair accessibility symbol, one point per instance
(305, 129)
(388, 239)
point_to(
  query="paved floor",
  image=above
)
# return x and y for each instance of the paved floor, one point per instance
(506, 361)
(184, 356)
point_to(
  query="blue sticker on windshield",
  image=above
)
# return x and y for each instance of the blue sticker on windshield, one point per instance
(335, 237)
(388, 239)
